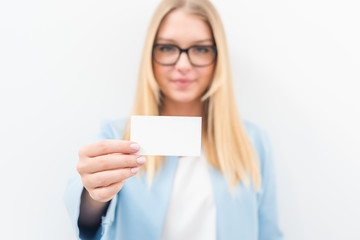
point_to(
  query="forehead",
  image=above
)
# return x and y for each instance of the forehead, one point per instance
(184, 28)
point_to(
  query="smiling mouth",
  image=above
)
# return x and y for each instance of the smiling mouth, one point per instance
(182, 83)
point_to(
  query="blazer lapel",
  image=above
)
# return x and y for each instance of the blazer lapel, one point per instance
(144, 207)
(235, 216)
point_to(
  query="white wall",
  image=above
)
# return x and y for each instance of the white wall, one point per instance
(64, 65)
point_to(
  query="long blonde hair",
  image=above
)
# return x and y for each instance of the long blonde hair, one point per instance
(226, 143)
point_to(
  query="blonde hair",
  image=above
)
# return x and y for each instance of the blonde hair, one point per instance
(226, 143)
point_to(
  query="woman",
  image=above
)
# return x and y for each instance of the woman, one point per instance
(227, 193)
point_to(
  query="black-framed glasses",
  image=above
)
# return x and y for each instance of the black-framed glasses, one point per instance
(198, 55)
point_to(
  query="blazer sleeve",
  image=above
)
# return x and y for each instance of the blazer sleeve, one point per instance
(74, 188)
(267, 201)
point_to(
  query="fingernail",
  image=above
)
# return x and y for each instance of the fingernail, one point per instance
(135, 146)
(134, 170)
(141, 160)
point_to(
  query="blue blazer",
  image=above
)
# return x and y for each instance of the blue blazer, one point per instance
(138, 212)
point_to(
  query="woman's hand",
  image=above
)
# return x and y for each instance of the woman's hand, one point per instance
(105, 165)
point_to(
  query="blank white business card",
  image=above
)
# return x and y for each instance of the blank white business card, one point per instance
(167, 135)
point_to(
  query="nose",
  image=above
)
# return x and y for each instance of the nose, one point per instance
(183, 64)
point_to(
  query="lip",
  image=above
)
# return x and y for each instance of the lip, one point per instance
(182, 82)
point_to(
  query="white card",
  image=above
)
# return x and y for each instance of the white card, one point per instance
(167, 136)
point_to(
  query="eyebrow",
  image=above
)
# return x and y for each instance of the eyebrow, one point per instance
(173, 41)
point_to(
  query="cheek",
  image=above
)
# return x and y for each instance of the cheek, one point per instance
(160, 73)
(156, 71)
(207, 74)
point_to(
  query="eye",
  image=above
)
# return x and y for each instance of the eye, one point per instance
(202, 49)
(166, 48)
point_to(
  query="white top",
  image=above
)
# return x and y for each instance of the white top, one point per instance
(191, 212)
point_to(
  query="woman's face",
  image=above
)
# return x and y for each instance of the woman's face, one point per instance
(183, 82)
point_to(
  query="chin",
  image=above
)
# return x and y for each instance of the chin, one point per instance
(181, 96)
(185, 99)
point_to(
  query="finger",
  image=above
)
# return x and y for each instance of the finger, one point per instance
(105, 194)
(106, 178)
(110, 162)
(108, 146)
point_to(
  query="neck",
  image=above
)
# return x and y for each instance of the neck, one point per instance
(191, 109)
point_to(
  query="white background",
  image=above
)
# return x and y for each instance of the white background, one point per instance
(65, 65)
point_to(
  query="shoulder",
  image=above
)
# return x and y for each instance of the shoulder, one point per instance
(260, 140)
(112, 128)
(258, 136)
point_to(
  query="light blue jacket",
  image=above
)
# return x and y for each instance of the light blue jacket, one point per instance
(138, 212)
